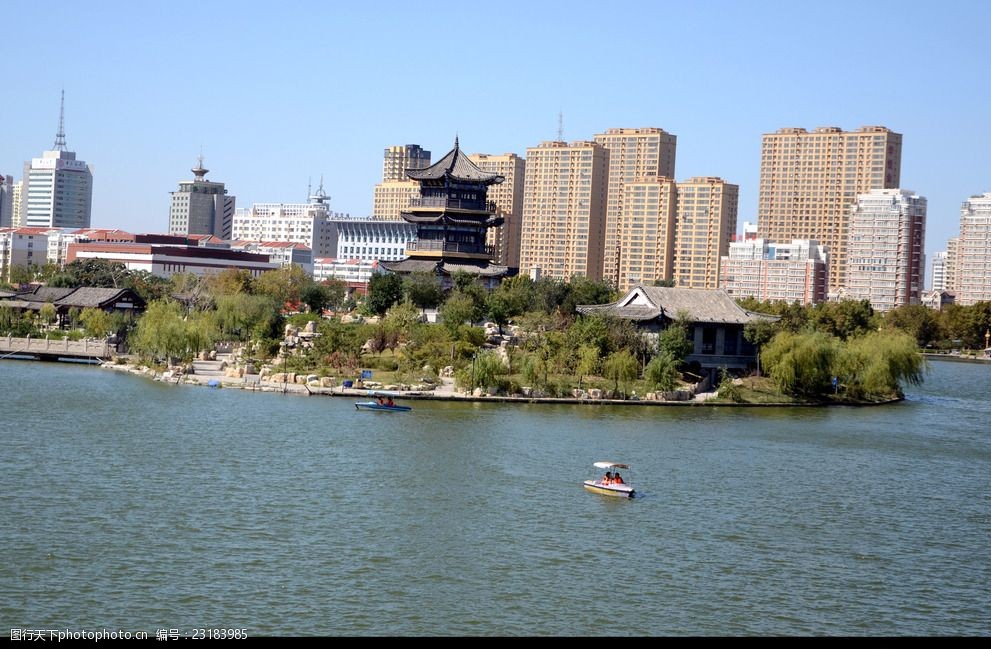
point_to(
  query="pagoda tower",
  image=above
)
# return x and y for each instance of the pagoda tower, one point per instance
(451, 218)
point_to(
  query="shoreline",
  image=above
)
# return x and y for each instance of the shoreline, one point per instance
(257, 385)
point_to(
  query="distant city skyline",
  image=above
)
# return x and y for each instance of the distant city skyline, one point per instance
(277, 99)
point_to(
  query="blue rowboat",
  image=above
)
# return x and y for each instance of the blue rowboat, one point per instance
(374, 405)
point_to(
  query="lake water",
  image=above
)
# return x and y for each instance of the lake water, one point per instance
(129, 504)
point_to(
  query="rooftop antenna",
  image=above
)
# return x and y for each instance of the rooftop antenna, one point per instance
(309, 187)
(60, 136)
(560, 126)
(199, 171)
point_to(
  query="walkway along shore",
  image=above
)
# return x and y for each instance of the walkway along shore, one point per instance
(444, 392)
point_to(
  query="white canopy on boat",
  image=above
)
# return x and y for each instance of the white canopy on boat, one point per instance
(611, 465)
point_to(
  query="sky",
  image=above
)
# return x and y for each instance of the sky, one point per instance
(279, 94)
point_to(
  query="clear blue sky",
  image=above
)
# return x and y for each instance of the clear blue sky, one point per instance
(276, 93)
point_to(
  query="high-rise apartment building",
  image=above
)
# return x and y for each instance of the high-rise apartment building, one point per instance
(973, 258)
(58, 189)
(775, 272)
(564, 209)
(939, 271)
(886, 248)
(705, 223)
(809, 181)
(17, 211)
(952, 246)
(394, 197)
(398, 159)
(646, 232)
(201, 206)
(395, 194)
(634, 154)
(6, 201)
(508, 199)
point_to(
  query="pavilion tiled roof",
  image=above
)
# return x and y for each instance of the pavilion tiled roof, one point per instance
(700, 305)
(457, 166)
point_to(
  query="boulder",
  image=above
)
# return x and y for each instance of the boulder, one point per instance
(266, 372)
(311, 327)
(595, 393)
(310, 378)
(327, 382)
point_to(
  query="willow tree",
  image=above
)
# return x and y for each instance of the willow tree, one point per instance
(875, 366)
(802, 364)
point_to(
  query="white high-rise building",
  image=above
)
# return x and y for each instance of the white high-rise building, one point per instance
(973, 258)
(201, 206)
(58, 189)
(939, 271)
(885, 249)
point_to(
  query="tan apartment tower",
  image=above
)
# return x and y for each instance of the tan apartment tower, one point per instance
(634, 154)
(508, 199)
(398, 159)
(396, 192)
(809, 181)
(646, 232)
(564, 209)
(705, 222)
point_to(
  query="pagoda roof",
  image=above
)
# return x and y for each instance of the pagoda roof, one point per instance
(450, 219)
(457, 166)
(482, 268)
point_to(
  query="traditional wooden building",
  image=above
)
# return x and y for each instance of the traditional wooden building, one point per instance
(716, 328)
(122, 300)
(451, 217)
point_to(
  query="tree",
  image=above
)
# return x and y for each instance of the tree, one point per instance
(384, 290)
(662, 373)
(674, 339)
(99, 273)
(285, 285)
(47, 313)
(758, 332)
(483, 371)
(230, 281)
(802, 364)
(919, 321)
(588, 362)
(316, 297)
(875, 365)
(161, 331)
(458, 309)
(844, 319)
(96, 322)
(586, 291)
(667, 283)
(498, 309)
(402, 318)
(589, 331)
(423, 289)
(238, 315)
(621, 367)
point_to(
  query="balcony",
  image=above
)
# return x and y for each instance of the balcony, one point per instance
(453, 203)
(438, 246)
